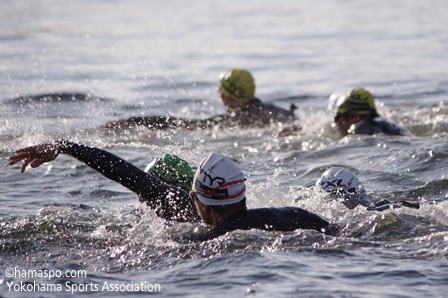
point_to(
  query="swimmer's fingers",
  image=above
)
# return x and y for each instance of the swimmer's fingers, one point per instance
(26, 161)
(33, 162)
(18, 157)
(25, 164)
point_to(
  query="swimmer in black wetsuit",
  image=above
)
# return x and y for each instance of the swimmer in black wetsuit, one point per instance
(236, 89)
(356, 114)
(342, 185)
(217, 196)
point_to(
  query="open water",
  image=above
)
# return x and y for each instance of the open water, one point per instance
(66, 67)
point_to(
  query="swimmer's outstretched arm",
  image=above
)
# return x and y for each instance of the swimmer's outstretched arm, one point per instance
(153, 122)
(106, 163)
(166, 122)
(169, 201)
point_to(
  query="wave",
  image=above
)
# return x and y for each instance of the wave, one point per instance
(54, 97)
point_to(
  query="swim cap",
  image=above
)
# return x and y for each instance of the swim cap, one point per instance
(238, 84)
(219, 181)
(357, 99)
(340, 181)
(172, 170)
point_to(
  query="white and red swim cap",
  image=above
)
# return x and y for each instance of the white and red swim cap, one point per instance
(219, 181)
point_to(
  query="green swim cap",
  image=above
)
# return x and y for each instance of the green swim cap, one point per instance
(357, 99)
(238, 84)
(172, 170)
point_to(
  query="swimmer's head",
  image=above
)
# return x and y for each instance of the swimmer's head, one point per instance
(219, 181)
(237, 84)
(172, 170)
(357, 99)
(339, 181)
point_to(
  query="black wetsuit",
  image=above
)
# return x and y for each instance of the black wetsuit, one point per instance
(173, 203)
(269, 219)
(253, 114)
(257, 114)
(376, 125)
(351, 201)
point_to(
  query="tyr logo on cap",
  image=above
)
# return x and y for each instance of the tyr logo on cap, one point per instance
(219, 181)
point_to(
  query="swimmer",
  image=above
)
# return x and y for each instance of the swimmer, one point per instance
(217, 197)
(343, 184)
(173, 170)
(236, 88)
(356, 114)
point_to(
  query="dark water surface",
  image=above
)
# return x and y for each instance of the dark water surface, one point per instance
(68, 67)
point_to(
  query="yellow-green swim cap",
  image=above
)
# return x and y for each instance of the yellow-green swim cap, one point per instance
(357, 99)
(238, 84)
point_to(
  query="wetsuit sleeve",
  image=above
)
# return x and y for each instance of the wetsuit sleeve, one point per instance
(259, 114)
(386, 204)
(305, 219)
(393, 129)
(168, 201)
(365, 128)
(154, 122)
(379, 125)
(167, 122)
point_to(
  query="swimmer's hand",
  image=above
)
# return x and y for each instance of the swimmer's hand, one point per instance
(289, 131)
(35, 155)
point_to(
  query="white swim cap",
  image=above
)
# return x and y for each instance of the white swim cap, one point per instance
(219, 181)
(340, 181)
